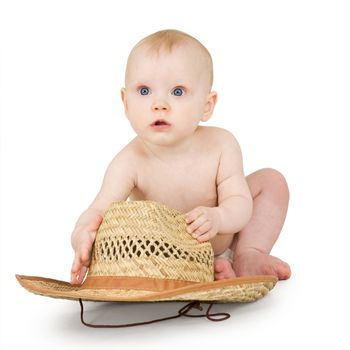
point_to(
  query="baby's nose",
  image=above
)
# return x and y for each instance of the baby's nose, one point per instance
(159, 106)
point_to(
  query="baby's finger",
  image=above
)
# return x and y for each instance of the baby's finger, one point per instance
(203, 238)
(196, 224)
(84, 257)
(202, 230)
(77, 277)
(79, 268)
(193, 215)
(74, 277)
(75, 269)
(206, 236)
(76, 264)
(82, 274)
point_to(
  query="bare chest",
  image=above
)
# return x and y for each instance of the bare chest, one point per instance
(182, 187)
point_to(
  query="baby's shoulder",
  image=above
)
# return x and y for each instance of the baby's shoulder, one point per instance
(128, 154)
(218, 136)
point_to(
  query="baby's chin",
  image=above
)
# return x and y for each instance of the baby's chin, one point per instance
(165, 140)
(162, 141)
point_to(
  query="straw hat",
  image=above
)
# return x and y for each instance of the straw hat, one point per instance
(143, 252)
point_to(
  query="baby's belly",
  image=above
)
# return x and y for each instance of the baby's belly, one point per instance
(183, 201)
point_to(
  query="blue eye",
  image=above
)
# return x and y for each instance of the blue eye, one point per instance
(144, 91)
(178, 91)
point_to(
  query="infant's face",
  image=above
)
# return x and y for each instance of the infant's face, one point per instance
(166, 95)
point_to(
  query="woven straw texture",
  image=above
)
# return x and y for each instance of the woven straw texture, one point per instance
(148, 239)
(242, 289)
(145, 240)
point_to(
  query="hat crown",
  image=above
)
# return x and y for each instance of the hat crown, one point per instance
(148, 239)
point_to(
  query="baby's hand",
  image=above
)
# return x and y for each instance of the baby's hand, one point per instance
(83, 238)
(203, 223)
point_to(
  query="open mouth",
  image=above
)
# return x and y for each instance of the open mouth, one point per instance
(160, 122)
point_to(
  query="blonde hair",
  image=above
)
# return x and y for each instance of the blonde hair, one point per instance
(167, 40)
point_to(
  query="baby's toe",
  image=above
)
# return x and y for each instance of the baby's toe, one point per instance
(223, 269)
(219, 265)
(283, 271)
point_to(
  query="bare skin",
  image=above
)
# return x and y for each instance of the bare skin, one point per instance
(251, 246)
(270, 195)
(195, 169)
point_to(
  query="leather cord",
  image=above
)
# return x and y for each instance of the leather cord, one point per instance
(220, 316)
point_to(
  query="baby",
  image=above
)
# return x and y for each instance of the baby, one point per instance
(195, 169)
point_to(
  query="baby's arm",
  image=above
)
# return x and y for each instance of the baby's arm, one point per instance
(118, 182)
(235, 202)
(234, 199)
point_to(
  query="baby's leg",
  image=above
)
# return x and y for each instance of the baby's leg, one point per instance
(253, 244)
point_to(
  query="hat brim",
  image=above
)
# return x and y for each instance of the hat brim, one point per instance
(240, 289)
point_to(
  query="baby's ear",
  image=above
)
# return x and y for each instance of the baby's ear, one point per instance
(123, 96)
(209, 106)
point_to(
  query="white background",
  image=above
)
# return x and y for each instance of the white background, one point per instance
(283, 78)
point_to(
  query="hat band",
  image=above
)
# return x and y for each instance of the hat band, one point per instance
(136, 283)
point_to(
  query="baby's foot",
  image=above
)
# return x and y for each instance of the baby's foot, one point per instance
(223, 269)
(254, 262)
